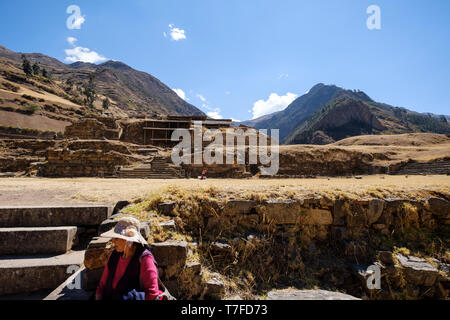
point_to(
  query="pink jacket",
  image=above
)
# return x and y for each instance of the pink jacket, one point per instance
(149, 276)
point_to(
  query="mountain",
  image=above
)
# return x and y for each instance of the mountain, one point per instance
(131, 92)
(328, 113)
(254, 122)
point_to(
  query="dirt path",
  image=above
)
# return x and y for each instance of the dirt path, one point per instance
(44, 191)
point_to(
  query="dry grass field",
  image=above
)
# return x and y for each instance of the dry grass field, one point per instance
(42, 191)
(384, 149)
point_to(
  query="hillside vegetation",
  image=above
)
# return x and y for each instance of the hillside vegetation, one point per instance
(61, 92)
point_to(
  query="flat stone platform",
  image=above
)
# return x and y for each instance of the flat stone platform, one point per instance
(40, 240)
(53, 216)
(28, 274)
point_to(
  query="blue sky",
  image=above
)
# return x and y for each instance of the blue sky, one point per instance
(242, 58)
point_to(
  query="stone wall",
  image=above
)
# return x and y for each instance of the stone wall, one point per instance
(16, 164)
(216, 171)
(83, 163)
(18, 133)
(19, 155)
(250, 246)
(94, 129)
(133, 132)
(324, 242)
(327, 162)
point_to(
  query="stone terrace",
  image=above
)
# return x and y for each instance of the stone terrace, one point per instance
(42, 246)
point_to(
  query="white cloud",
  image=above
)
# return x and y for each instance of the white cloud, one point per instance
(83, 55)
(201, 97)
(176, 33)
(235, 120)
(215, 114)
(273, 104)
(211, 112)
(71, 40)
(283, 75)
(181, 94)
(228, 92)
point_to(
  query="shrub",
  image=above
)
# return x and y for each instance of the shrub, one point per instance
(32, 108)
(25, 96)
(10, 86)
(47, 89)
(50, 108)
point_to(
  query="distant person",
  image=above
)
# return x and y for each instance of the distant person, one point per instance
(131, 272)
(203, 176)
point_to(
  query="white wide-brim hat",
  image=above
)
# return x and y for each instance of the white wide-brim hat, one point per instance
(127, 228)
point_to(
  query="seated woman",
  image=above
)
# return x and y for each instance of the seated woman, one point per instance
(131, 272)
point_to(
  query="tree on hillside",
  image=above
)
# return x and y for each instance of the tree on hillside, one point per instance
(36, 69)
(89, 92)
(69, 82)
(106, 103)
(26, 66)
(45, 74)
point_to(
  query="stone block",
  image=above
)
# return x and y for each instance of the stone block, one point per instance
(439, 207)
(29, 274)
(214, 287)
(293, 294)
(97, 253)
(418, 271)
(280, 211)
(167, 208)
(386, 257)
(239, 207)
(315, 217)
(26, 241)
(54, 216)
(168, 225)
(170, 256)
(374, 210)
(194, 268)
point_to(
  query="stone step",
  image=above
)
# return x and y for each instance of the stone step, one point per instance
(69, 289)
(147, 171)
(46, 240)
(35, 273)
(53, 216)
(440, 167)
(162, 177)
